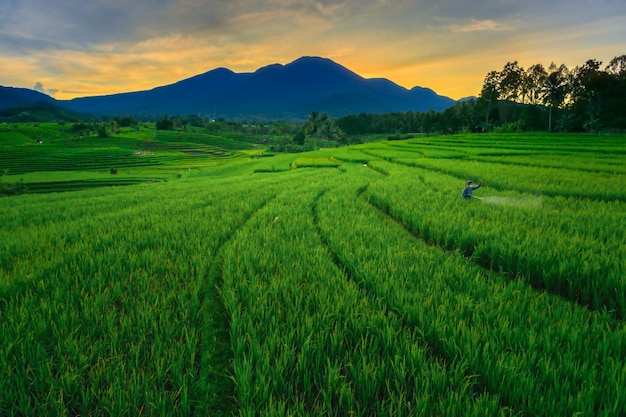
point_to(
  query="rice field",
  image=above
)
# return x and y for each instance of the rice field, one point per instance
(49, 158)
(350, 281)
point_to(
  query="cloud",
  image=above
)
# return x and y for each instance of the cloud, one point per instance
(107, 46)
(487, 25)
(69, 24)
(39, 87)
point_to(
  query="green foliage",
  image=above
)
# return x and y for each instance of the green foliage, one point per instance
(583, 99)
(103, 132)
(41, 112)
(299, 138)
(165, 123)
(13, 188)
(590, 95)
(125, 121)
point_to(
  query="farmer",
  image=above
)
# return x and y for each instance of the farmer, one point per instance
(469, 189)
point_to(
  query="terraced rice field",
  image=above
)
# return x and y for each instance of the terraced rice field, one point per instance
(350, 281)
(47, 159)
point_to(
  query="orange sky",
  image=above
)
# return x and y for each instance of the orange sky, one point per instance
(69, 49)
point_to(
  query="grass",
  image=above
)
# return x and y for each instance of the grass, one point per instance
(346, 281)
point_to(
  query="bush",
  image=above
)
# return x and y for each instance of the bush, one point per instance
(13, 189)
(165, 123)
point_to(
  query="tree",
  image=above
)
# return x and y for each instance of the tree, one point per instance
(617, 67)
(490, 92)
(299, 137)
(463, 113)
(114, 127)
(312, 125)
(328, 130)
(102, 131)
(615, 114)
(125, 121)
(554, 89)
(165, 123)
(511, 81)
(588, 92)
(534, 83)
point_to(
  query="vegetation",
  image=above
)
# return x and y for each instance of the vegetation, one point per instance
(584, 99)
(342, 281)
(40, 112)
(320, 125)
(60, 157)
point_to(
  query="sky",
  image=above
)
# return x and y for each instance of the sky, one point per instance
(73, 48)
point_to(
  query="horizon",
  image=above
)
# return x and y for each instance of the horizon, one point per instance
(101, 48)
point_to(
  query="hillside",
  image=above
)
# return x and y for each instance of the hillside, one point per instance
(40, 111)
(14, 97)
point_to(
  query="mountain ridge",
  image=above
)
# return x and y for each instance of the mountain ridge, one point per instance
(275, 91)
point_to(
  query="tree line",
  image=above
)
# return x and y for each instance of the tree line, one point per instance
(586, 98)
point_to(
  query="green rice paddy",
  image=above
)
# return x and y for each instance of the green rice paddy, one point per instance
(203, 279)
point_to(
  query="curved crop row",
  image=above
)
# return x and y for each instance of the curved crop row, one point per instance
(306, 340)
(573, 252)
(107, 314)
(549, 181)
(543, 355)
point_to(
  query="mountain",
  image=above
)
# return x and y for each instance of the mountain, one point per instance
(194, 95)
(14, 97)
(273, 92)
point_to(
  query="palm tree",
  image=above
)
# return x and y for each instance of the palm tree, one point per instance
(312, 125)
(328, 130)
(554, 89)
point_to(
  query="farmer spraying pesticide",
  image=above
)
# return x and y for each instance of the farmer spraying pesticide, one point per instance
(468, 191)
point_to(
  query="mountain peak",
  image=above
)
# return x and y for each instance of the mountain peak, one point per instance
(315, 61)
(310, 59)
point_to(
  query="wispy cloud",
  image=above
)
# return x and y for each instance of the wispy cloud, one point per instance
(486, 25)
